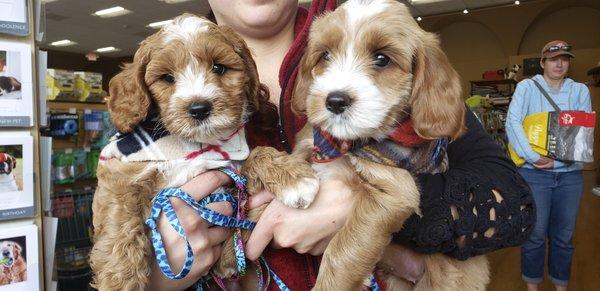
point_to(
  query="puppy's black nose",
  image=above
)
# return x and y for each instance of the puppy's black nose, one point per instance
(5, 253)
(200, 110)
(337, 102)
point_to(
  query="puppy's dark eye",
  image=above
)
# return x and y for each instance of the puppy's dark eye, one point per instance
(381, 60)
(219, 69)
(168, 78)
(326, 56)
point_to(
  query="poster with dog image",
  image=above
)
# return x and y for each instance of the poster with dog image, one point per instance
(16, 175)
(16, 86)
(19, 258)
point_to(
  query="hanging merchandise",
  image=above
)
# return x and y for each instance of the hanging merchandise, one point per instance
(92, 163)
(63, 167)
(80, 164)
(93, 123)
(107, 133)
(64, 124)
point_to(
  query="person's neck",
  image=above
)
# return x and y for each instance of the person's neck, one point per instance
(268, 54)
(554, 83)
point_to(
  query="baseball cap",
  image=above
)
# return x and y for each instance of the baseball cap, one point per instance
(556, 48)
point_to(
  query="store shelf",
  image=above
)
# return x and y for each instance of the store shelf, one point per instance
(78, 184)
(79, 105)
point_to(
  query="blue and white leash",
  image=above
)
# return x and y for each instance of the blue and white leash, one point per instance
(163, 203)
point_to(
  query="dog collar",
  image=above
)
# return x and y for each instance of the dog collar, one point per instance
(402, 148)
(328, 148)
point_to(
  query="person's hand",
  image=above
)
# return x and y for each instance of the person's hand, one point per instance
(403, 262)
(305, 230)
(544, 163)
(204, 237)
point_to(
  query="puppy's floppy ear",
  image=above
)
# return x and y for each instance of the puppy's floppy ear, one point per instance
(437, 107)
(130, 101)
(16, 84)
(18, 249)
(13, 161)
(304, 79)
(253, 88)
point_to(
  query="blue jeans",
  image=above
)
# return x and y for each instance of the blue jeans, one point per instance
(557, 196)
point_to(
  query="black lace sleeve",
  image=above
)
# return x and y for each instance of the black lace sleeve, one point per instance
(479, 205)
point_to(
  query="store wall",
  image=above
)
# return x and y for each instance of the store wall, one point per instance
(497, 38)
(107, 66)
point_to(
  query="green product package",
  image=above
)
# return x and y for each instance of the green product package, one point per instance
(80, 164)
(92, 162)
(64, 168)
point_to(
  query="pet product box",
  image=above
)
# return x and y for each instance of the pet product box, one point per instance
(88, 86)
(60, 85)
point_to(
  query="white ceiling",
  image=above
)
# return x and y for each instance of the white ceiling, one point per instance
(72, 19)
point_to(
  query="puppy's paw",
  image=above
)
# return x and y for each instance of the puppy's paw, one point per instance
(226, 266)
(301, 194)
(222, 271)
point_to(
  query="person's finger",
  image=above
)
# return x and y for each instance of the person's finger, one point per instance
(260, 198)
(260, 237)
(217, 235)
(221, 207)
(205, 183)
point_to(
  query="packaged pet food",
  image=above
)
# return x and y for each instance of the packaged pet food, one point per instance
(92, 158)
(88, 86)
(107, 133)
(80, 164)
(63, 167)
(63, 207)
(93, 123)
(60, 84)
(565, 136)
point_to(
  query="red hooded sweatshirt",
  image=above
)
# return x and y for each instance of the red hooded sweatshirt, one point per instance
(298, 271)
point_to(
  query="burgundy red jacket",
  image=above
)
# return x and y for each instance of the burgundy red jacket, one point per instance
(477, 166)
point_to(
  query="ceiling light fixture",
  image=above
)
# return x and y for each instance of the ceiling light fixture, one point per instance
(107, 49)
(112, 12)
(160, 24)
(517, 2)
(64, 42)
(419, 18)
(465, 11)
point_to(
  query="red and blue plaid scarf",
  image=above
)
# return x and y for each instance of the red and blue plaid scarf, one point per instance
(402, 148)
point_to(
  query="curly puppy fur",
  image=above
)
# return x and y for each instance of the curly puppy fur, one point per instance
(191, 60)
(289, 177)
(373, 52)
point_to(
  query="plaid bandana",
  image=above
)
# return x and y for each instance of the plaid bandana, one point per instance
(150, 141)
(402, 148)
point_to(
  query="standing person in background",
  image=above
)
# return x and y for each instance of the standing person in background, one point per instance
(557, 187)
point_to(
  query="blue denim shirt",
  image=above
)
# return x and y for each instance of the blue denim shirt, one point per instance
(528, 99)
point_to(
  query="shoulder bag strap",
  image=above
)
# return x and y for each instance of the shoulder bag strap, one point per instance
(547, 96)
